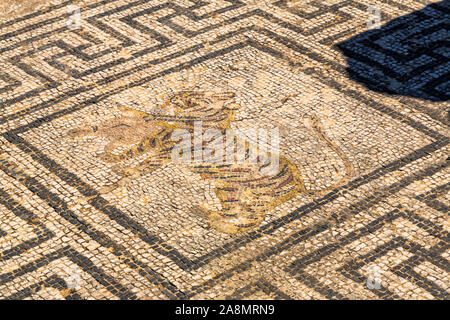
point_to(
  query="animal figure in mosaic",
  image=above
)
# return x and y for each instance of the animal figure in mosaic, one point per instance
(245, 193)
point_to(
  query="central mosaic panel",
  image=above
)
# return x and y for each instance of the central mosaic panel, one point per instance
(128, 153)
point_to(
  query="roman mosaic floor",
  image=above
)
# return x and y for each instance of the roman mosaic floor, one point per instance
(93, 206)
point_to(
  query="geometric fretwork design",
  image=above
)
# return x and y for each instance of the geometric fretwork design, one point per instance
(406, 56)
(371, 161)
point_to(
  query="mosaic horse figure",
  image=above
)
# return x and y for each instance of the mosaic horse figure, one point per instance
(245, 193)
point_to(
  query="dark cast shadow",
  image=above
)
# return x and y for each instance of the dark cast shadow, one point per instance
(408, 56)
